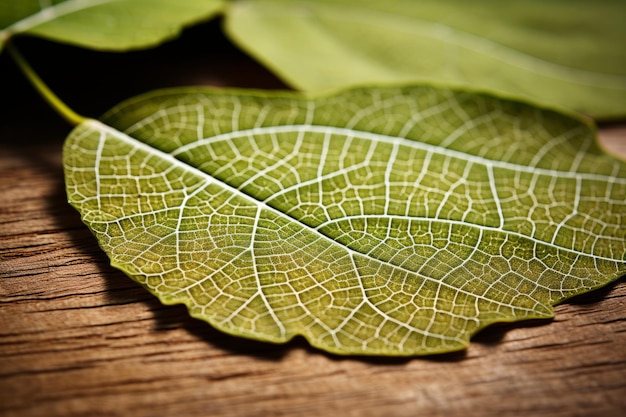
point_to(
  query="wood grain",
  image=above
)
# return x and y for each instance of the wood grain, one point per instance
(78, 338)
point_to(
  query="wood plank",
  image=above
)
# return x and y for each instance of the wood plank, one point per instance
(78, 337)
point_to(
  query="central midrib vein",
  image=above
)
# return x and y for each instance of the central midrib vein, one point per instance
(99, 126)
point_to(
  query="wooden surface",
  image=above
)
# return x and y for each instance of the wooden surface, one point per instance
(78, 337)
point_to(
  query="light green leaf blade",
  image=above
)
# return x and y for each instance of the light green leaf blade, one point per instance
(564, 53)
(116, 25)
(381, 221)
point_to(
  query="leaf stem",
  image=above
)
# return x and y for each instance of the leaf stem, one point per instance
(55, 102)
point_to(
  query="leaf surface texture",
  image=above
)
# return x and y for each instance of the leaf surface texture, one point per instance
(378, 221)
(564, 53)
(103, 24)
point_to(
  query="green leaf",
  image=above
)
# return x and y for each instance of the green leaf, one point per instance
(103, 24)
(560, 52)
(382, 221)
